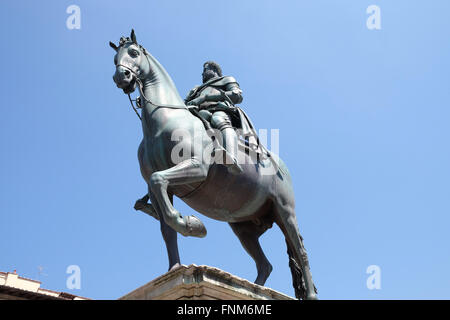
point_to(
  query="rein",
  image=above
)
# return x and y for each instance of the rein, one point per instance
(134, 108)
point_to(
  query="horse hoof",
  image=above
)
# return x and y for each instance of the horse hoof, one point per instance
(176, 265)
(195, 227)
(139, 205)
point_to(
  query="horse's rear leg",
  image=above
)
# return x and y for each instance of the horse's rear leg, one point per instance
(287, 221)
(249, 233)
(187, 171)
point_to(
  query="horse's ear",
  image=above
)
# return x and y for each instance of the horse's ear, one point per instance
(112, 45)
(133, 36)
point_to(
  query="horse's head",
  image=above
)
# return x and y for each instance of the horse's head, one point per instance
(131, 63)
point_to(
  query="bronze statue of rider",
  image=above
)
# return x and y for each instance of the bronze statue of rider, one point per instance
(216, 99)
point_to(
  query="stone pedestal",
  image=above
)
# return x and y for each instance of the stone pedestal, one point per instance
(202, 283)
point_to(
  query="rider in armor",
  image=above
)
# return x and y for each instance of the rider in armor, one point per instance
(216, 99)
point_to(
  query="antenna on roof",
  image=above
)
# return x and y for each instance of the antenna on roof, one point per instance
(40, 273)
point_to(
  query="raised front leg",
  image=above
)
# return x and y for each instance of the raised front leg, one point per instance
(187, 171)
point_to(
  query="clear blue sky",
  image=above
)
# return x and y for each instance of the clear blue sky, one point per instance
(364, 129)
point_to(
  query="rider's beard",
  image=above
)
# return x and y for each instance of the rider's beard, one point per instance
(208, 75)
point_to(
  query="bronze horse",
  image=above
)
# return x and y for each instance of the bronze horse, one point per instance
(250, 201)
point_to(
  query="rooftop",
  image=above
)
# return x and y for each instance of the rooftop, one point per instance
(15, 287)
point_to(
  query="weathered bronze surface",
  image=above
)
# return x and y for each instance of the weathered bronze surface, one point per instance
(239, 192)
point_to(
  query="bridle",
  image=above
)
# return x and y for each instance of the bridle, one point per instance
(141, 88)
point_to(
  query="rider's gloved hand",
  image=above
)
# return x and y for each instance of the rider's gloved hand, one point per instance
(197, 101)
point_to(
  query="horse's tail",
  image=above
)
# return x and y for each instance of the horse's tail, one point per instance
(298, 280)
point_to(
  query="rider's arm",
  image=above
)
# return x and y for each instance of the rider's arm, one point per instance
(233, 92)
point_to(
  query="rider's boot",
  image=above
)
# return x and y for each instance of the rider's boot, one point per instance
(230, 144)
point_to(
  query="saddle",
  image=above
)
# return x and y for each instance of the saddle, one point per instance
(248, 140)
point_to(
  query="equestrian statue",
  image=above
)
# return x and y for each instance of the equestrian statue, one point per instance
(181, 136)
